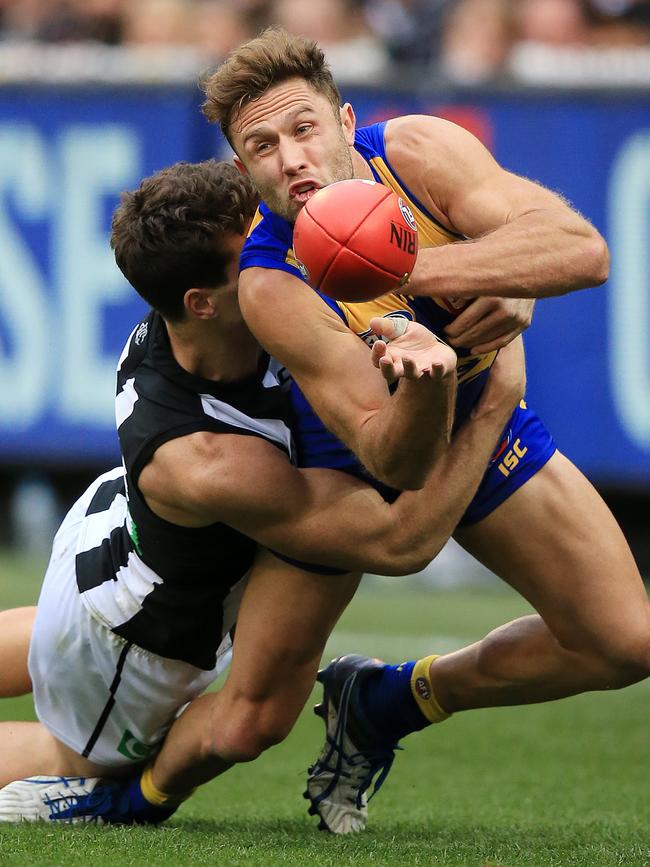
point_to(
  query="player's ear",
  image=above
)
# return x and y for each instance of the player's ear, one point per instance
(348, 122)
(242, 168)
(200, 303)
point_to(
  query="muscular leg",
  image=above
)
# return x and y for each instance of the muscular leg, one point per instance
(15, 634)
(285, 619)
(556, 542)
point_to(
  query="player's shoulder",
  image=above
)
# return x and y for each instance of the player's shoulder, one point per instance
(435, 158)
(137, 345)
(194, 452)
(266, 225)
(200, 472)
(147, 369)
(176, 473)
(269, 244)
(412, 133)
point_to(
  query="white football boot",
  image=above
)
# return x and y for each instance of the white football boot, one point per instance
(69, 800)
(352, 756)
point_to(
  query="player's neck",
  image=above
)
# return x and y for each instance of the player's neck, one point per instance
(361, 168)
(209, 350)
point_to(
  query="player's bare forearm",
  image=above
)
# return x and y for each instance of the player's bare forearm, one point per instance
(403, 443)
(407, 436)
(540, 254)
(395, 437)
(427, 518)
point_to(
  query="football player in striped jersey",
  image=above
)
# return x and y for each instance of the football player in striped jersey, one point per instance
(158, 559)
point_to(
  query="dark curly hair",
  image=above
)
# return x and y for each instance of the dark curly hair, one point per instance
(166, 233)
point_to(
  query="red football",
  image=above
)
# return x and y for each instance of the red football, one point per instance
(356, 240)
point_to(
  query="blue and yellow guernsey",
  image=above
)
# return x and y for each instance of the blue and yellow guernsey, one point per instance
(270, 245)
(526, 445)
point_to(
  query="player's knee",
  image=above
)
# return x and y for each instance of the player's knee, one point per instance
(628, 660)
(250, 729)
(618, 659)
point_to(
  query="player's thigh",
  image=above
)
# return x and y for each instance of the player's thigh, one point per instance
(557, 543)
(28, 749)
(15, 634)
(285, 618)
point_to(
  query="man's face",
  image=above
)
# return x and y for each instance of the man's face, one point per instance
(292, 143)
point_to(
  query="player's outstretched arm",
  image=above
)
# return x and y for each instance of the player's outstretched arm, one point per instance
(394, 436)
(523, 240)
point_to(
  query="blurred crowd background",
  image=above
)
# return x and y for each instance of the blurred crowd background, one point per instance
(461, 41)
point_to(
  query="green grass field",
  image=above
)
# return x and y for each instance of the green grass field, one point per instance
(560, 784)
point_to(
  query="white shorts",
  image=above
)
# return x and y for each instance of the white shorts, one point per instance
(105, 698)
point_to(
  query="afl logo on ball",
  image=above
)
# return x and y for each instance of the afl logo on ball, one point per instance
(422, 688)
(407, 213)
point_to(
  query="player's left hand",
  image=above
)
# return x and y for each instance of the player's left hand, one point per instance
(490, 323)
(407, 350)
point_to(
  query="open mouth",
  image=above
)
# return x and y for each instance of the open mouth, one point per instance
(302, 193)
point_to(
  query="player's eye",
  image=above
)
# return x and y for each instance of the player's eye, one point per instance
(262, 147)
(303, 128)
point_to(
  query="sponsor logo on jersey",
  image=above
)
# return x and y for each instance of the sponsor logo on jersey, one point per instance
(141, 333)
(134, 749)
(422, 688)
(407, 213)
(132, 530)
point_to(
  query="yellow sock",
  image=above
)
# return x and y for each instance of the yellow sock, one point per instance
(423, 691)
(153, 794)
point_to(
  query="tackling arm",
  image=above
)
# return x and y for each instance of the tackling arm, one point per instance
(524, 241)
(326, 516)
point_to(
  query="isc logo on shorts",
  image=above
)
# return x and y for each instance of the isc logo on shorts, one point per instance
(512, 458)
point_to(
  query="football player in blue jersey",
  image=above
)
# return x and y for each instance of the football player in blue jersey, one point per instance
(536, 521)
(148, 567)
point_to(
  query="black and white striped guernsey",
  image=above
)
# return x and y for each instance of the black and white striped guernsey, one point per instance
(164, 587)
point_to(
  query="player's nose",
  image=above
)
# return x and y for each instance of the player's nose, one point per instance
(293, 157)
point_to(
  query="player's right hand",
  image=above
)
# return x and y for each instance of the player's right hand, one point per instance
(408, 350)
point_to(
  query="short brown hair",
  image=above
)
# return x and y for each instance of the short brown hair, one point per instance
(166, 233)
(251, 69)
